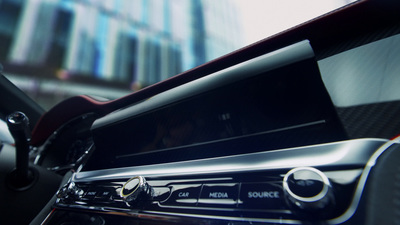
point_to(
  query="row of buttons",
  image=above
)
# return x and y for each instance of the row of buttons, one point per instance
(103, 195)
(228, 195)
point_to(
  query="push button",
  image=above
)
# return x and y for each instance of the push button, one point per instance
(183, 195)
(104, 194)
(90, 194)
(219, 194)
(261, 196)
(161, 193)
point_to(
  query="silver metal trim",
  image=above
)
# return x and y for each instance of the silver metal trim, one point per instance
(244, 219)
(276, 59)
(353, 152)
(315, 198)
(144, 213)
(362, 181)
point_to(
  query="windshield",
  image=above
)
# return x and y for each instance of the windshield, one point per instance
(55, 49)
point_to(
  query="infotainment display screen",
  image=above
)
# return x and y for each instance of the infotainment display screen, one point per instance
(281, 108)
(284, 108)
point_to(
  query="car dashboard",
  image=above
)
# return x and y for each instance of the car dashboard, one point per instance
(259, 142)
(300, 128)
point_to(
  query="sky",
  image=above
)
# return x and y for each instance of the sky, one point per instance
(263, 18)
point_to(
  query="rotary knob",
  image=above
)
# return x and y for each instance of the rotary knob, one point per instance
(308, 190)
(69, 193)
(136, 190)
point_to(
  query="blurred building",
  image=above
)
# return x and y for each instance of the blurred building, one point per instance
(137, 42)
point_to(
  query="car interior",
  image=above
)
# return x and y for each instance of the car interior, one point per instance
(299, 128)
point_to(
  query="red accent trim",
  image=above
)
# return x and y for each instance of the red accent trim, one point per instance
(48, 216)
(398, 136)
(65, 111)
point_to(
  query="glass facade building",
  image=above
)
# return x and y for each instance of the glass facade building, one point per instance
(135, 42)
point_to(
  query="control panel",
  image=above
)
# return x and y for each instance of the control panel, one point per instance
(299, 193)
(317, 184)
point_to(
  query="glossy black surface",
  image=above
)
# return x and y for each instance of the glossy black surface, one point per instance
(286, 107)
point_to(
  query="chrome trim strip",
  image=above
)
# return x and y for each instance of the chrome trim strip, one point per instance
(276, 59)
(243, 219)
(362, 181)
(128, 212)
(353, 152)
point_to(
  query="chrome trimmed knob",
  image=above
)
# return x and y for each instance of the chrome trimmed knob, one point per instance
(69, 193)
(135, 190)
(308, 189)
